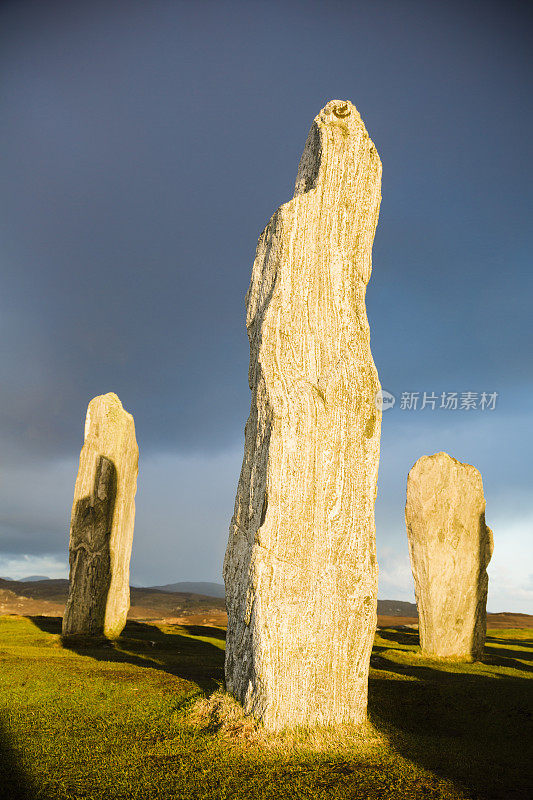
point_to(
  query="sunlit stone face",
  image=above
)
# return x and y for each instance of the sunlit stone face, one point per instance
(450, 547)
(103, 516)
(300, 568)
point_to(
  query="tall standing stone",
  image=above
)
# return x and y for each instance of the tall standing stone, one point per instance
(450, 547)
(103, 515)
(300, 567)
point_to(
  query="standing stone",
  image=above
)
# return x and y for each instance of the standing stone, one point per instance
(103, 515)
(450, 547)
(300, 567)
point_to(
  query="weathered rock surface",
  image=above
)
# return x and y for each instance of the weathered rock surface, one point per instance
(103, 516)
(300, 567)
(450, 547)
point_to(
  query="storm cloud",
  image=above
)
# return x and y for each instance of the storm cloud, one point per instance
(145, 146)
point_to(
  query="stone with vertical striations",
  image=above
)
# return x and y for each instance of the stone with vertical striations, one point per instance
(450, 547)
(300, 567)
(103, 515)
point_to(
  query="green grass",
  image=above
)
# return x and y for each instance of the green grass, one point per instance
(124, 721)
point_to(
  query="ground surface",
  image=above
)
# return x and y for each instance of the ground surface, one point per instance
(121, 721)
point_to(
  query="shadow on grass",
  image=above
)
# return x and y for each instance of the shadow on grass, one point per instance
(205, 630)
(525, 645)
(146, 646)
(497, 656)
(508, 658)
(467, 725)
(15, 784)
(399, 635)
(511, 642)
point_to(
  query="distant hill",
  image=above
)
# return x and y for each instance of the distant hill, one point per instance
(48, 598)
(397, 608)
(194, 587)
(32, 578)
(392, 608)
(194, 603)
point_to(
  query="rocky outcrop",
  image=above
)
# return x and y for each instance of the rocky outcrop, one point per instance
(450, 547)
(300, 567)
(103, 515)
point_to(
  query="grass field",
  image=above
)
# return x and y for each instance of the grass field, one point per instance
(143, 719)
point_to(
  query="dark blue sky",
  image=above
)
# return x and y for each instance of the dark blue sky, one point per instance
(145, 146)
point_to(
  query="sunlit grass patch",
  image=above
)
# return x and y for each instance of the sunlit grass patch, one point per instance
(147, 717)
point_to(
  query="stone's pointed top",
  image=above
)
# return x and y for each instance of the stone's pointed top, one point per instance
(110, 400)
(341, 115)
(340, 109)
(107, 405)
(109, 397)
(440, 456)
(442, 459)
(339, 130)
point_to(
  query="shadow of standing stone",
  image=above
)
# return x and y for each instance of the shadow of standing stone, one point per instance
(18, 779)
(90, 560)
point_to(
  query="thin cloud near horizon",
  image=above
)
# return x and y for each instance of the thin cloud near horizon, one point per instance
(143, 154)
